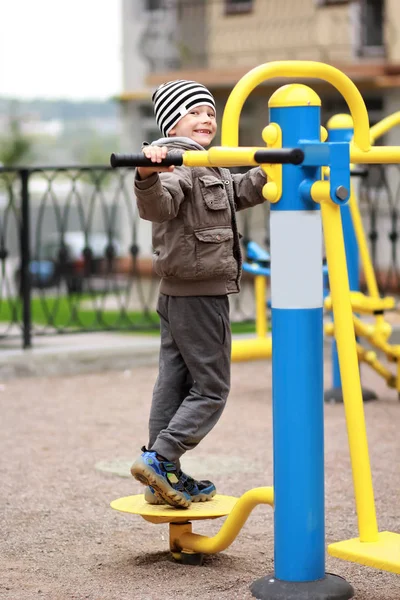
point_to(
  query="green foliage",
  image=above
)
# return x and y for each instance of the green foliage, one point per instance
(14, 146)
(90, 133)
(78, 313)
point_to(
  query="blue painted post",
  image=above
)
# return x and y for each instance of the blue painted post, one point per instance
(341, 129)
(297, 354)
(297, 368)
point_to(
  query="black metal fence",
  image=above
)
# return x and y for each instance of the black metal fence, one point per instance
(70, 253)
(379, 198)
(75, 256)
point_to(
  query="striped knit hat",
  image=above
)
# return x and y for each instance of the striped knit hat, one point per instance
(175, 99)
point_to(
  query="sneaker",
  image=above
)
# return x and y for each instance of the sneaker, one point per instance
(200, 491)
(163, 477)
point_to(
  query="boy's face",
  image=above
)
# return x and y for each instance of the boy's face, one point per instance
(199, 125)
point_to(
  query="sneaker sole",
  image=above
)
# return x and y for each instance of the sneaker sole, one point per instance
(147, 476)
(156, 501)
(204, 497)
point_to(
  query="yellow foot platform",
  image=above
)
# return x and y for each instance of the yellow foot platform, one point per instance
(219, 506)
(383, 554)
(185, 545)
(179, 519)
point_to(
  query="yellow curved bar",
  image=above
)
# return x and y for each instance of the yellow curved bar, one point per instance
(349, 372)
(233, 524)
(292, 68)
(383, 126)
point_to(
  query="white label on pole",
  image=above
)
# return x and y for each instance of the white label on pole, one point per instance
(296, 259)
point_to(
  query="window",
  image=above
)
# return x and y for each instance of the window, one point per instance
(369, 19)
(153, 5)
(330, 2)
(372, 23)
(238, 6)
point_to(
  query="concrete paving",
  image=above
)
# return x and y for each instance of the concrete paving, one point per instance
(78, 353)
(66, 446)
(65, 354)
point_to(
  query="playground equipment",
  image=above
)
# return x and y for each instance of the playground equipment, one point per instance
(377, 333)
(186, 546)
(299, 197)
(258, 264)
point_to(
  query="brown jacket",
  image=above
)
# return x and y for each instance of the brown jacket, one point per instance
(195, 236)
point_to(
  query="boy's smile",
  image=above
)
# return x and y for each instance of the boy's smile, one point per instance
(199, 125)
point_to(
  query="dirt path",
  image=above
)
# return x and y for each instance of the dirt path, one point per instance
(61, 541)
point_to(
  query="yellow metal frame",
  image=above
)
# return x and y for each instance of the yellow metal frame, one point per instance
(260, 346)
(379, 332)
(371, 547)
(272, 190)
(349, 370)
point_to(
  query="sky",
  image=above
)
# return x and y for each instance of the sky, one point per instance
(60, 49)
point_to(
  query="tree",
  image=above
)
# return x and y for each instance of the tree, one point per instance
(14, 146)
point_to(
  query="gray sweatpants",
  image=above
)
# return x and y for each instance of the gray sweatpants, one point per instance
(194, 373)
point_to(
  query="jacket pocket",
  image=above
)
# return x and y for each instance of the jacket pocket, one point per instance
(213, 192)
(214, 251)
(175, 256)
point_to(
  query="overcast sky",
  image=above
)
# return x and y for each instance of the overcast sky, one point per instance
(60, 49)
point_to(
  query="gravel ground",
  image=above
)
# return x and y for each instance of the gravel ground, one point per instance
(61, 540)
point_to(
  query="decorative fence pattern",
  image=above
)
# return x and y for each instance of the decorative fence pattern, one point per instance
(75, 256)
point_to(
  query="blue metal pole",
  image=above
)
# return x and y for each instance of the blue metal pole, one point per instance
(297, 368)
(297, 353)
(339, 131)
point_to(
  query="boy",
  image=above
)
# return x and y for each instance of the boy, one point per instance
(197, 256)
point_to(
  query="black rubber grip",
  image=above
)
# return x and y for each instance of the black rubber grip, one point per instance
(283, 156)
(140, 160)
(294, 156)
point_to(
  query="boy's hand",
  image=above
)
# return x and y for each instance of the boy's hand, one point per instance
(156, 155)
